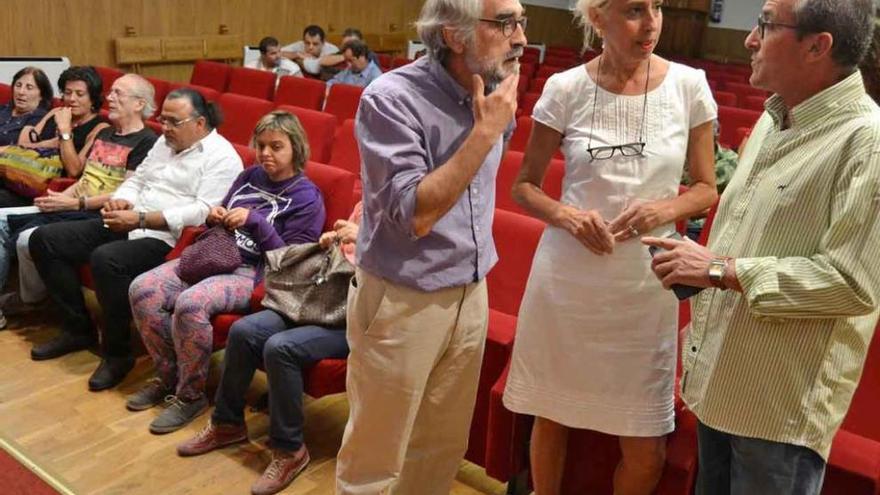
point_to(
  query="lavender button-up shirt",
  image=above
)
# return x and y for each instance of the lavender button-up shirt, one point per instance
(410, 122)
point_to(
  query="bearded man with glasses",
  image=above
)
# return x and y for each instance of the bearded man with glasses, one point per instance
(775, 351)
(431, 137)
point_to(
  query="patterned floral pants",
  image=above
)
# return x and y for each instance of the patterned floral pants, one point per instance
(174, 320)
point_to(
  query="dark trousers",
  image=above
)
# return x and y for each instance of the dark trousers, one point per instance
(58, 251)
(9, 199)
(268, 337)
(736, 465)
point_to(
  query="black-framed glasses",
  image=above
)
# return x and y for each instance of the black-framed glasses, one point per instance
(508, 26)
(763, 23)
(636, 148)
(172, 122)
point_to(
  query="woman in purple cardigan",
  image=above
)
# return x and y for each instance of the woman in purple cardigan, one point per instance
(267, 207)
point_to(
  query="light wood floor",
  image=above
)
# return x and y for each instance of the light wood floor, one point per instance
(88, 443)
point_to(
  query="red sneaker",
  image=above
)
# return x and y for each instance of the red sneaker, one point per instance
(285, 466)
(213, 436)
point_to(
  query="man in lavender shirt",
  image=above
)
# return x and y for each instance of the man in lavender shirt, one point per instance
(431, 140)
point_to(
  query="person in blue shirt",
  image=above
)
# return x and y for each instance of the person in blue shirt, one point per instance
(361, 71)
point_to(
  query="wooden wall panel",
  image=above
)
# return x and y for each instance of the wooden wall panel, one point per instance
(84, 30)
(725, 45)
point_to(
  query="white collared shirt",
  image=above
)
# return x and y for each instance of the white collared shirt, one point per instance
(183, 186)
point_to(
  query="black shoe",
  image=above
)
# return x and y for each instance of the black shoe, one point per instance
(110, 373)
(64, 343)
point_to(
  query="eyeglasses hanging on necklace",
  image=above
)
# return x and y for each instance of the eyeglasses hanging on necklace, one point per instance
(636, 148)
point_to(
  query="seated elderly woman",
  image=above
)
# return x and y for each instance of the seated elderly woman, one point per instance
(58, 144)
(31, 99)
(115, 154)
(285, 349)
(267, 207)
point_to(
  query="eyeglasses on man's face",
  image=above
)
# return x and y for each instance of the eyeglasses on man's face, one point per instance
(606, 152)
(508, 26)
(763, 23)
(172, 123)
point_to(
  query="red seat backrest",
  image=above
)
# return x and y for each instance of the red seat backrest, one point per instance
(755, 103)
(537, 85)
(546, 71)
(251, 82)
(161, 87)
(155, 126)
(561, 60)
(210, 74)
(528, 69)
(5, 93)
(527, 103)
(320, 129)
(516, 238)
(246, 153)
(108, 75)
(731, 119)
(508, 172)
(522, 84)
(743, 89)
(240, 116)
(346, 154)
(343, 101)
(399, 62)
(336, 186)
(521, 134)
(300, 92)
(209, 94)
(724, 98)
(384, 61)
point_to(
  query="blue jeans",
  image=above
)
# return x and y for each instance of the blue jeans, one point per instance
(285, 350)
(735, 465)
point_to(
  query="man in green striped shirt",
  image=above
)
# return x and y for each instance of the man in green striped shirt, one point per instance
(777, 345)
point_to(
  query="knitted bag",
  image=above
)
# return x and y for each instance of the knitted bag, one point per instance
(214, 252)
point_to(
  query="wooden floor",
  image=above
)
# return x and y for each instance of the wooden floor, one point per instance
(88, 443)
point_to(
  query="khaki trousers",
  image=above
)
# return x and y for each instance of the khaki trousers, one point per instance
(412, 382)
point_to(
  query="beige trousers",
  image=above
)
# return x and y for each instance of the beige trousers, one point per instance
(412, 382)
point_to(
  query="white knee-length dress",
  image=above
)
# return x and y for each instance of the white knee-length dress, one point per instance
(596, 337)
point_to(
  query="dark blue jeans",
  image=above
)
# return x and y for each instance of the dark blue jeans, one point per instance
(735, 465)
(267, 337)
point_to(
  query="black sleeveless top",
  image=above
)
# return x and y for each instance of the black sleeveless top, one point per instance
(79, 133)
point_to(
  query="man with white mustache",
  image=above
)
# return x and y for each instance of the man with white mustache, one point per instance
(431, 138)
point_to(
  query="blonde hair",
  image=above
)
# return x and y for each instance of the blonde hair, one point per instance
(287, 123)
(582, 18)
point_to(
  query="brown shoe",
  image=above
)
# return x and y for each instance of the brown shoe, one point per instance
(213, 436)
(285, 466)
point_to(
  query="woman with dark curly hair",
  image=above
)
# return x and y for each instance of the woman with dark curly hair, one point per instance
(60, 141)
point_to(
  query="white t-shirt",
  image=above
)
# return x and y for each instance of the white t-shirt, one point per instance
(310, 64)
(285, 67)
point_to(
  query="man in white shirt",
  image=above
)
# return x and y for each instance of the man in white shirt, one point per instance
(271, 59)
(187, 172)
(312, 53)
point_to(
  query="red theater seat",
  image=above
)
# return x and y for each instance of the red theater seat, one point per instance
(5, 93)
(300, 92)
(320, 128)
(108, 75)
(399, 62)
(210, 74)
(209, 94)
(251, 82)
(755, 103)
(724, 98)
(343, 101)
(347, 156)
(546, 71)
(537, 85)
(527, 104)
(246, 153)
(508, 172)
(240, 116)
(520, 139)
(742, 90)
(161, 87)
(731, 119)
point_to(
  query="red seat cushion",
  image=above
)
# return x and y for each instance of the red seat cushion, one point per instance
(335, 186)
(516, 239)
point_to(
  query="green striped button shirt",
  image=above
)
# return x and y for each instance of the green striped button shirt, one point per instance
(781, 360)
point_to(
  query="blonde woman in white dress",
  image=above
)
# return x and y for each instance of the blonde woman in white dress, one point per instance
(596, 339)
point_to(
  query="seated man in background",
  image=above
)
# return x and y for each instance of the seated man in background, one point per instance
(115, 154)
(360, 72)
(272, 61)
(186, 173)
(312, 52)
(725, 165)
(351, 34)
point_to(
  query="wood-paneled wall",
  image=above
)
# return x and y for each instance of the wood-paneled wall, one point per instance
(84, 30)
(725, 45)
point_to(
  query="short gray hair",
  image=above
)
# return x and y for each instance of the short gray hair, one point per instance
(145, 91)
(850, 23)
(582, 18)
(460, 15)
